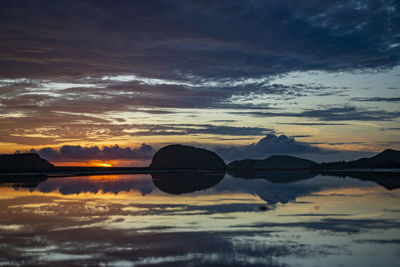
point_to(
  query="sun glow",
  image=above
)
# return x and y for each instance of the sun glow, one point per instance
(102, 164)
(92, 163)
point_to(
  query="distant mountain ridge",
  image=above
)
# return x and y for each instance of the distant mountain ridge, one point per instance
(273, 162)
(387, 159)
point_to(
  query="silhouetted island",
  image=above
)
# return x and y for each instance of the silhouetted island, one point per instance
(272, 163)
(29, 162)
(181, 157)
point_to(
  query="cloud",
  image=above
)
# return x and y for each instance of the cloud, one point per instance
(281, 144)
(58, 127)
(91, 59)
(196, 129)
(271, 144)
(311, 123)
(224, 130)
(301, 136)
(378, 241)
(332, 113)
(270, 91)
(376, 99)
(79, 153)
(223, 121)
(391, 129)
(207, 39)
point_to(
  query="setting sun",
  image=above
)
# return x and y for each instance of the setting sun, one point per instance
(91, 163)
(102, 164)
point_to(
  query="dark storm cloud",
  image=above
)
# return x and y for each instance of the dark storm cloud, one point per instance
(72, 153)
(201, 38)
(333, 113)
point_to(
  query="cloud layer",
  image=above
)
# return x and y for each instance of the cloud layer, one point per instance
(79, 153)
(86, 71)
(206, 38)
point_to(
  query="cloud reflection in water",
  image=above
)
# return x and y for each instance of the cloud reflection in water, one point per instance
(126, 220)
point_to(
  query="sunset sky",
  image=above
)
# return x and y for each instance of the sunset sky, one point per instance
(110, 82)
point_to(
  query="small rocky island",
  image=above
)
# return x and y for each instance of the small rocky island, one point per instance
(181, 157)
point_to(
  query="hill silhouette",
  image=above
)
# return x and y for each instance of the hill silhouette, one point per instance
(181, 157)
(388, 159)
(273, 162)
(24, 163)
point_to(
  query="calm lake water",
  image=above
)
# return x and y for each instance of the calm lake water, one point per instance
(140, 220)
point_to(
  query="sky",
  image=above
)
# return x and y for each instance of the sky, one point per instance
(110, 82)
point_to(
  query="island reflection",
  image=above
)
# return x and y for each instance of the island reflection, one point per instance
(185, 182)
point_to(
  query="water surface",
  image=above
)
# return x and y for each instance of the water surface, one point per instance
(140, 220)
